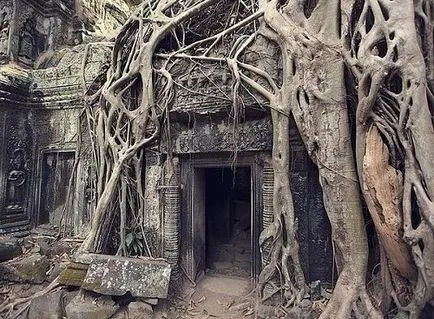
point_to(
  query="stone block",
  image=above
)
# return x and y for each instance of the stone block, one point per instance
(27, 269)
(56, 270)
(49, 306)
(121, 314)
(140, 310)
(115, 276)
(151, 301)
(135, 310)
(9, 248)
(74, 274)
(89, 306)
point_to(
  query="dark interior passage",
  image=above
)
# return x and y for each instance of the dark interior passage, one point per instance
(228, 221)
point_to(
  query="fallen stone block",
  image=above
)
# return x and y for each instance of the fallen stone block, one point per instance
(49, 306)
(9, 248)
(121, 314)
(27, 269)
(88, 306)
(73, 275)
(151, 301)
(115, 276)
(135, 310)
(140, 310)
(52, 248)
(56, 270)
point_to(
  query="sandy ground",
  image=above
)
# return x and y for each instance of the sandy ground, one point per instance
(213, 297)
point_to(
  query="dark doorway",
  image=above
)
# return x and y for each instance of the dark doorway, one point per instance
(220, 211)
(56, 170)
(228, 221)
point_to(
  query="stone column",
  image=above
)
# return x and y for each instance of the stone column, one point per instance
(172, 213)
(267, 200)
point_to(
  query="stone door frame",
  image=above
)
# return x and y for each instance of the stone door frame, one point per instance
(214, 160)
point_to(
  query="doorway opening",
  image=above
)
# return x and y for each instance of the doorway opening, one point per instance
(228, 221)
(56, 170)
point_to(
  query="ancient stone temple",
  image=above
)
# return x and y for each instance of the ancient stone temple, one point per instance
(41, 90)
(209, 219)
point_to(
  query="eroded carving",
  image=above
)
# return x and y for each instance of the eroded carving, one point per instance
(5, 17)
(16, 179)
(27, 48)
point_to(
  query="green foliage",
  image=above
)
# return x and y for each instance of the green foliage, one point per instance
(135, 243)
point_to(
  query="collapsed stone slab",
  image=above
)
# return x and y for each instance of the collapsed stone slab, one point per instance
(88, 306)
(49, 306)
(9, 248)
(27, 269)
(74, 274)
(116, 276)
(140, 310)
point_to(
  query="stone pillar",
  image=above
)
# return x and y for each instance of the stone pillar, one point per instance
(267, 200)
(152, 215)
(172, 213)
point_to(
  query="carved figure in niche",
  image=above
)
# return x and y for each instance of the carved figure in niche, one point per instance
(78, 31)
(27, 48)
(16, 180)
(4, 35)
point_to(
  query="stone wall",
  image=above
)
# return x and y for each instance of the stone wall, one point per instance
(16, 147)
(39, 113)
(40, 129)
(30, 27)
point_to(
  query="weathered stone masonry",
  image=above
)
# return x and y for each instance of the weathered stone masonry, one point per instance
(41, 138)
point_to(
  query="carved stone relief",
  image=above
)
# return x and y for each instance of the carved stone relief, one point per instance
(5, 28)
(17, 165)
(27, 52)
(16, 180)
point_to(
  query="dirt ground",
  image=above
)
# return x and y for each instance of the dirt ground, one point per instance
(213, 297)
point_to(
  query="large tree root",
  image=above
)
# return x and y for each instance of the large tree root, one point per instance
(392, 96)
(284, 253)
(122, 128)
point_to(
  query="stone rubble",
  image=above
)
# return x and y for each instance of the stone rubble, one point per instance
(91, 306)
(27, 269)
(9, 248)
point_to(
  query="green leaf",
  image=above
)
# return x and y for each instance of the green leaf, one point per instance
(129, 239)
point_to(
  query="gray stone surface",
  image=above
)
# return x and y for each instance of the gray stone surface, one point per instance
(151, 301)
(115, 276)
(49, 306)
(121, 314)
(27, 269)
(74, 274)
(135, 310)
(218, 136)
(9, 248)
(140, 310)
(88, 306)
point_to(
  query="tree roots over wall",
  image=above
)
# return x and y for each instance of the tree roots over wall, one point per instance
(371, 58)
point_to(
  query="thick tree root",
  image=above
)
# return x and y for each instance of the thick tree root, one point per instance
(350, 298)
(284, 253)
